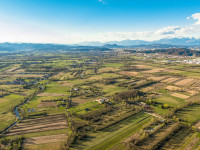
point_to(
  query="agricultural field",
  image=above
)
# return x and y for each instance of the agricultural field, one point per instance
(98, 100)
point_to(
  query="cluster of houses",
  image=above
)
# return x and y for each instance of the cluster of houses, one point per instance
(187, 61)
(102, 100)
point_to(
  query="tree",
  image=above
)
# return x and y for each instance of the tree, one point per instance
(165, 106)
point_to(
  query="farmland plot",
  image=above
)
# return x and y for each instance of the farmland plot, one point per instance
(110, 136)
(170, 80)
(185, 82)
(45, 139)
(158, 78)
(180, 95)
(128, 73)
(39, 125)
(160, 135)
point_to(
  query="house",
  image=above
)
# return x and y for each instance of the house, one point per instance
(75, 89)
(144, 105)
(102, 100)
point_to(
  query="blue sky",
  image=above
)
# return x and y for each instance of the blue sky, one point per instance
(72, 21)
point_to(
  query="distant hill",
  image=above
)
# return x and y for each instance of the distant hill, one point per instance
(31, 46)
(47, 47)
(162, 43)
(168, 41)
(112, 46)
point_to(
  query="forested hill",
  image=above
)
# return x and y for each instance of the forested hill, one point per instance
(47, 47)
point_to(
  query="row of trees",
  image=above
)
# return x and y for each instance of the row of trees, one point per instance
(155, 103)
(131, 95)
(14, 143)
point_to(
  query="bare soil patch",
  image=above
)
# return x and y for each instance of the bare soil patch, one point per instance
(36, 130)
(28, 75)
(43, 118)
(47, 146)
(185, 82)
(39, 124)
(142, 66)
(196, 84)
(47, 104)
(173, 88)
(51, 94)
(179, 95)
(159, 78)
(170, 80)
(129, 73)
(45, 139)
(147, 89)
(192, 93)
(31, 124)
(154, 70)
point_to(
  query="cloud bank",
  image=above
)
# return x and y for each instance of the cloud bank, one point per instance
(192, 30)
(13, 31)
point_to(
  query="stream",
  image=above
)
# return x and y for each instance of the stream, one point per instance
(18, 117)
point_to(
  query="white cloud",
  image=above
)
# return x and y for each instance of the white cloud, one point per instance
(196, 16)
(168, 30)
(192, 30)
(15, 31)
(112, 36)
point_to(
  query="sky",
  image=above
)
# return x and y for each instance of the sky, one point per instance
(74, 21)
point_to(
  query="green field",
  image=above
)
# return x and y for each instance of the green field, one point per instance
(7, 105)
(170, 100)
(56, 88)
(62, 87)
(190, 114)
(112, 135)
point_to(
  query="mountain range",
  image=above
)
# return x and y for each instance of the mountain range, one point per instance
(84, 46)
(169, 41)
